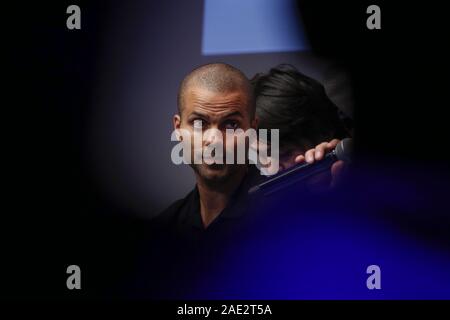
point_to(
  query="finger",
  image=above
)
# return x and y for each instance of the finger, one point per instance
(320, 151)
(337, 170)
(333, 143)
(299, 159)
(309, 156)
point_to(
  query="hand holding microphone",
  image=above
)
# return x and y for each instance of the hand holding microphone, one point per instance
(310, 168)
(317, 154)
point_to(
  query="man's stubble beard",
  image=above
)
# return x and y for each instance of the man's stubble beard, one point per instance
(217, 177)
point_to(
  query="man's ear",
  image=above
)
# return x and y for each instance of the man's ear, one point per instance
(176, 125)
(176, 121)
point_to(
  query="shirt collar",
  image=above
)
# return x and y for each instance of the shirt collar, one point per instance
(235, 208)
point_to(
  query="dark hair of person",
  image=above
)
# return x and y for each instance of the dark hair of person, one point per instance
(298, 106)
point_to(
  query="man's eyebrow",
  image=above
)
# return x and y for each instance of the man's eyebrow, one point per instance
(205, 116)
(198, 114)
(232, 114)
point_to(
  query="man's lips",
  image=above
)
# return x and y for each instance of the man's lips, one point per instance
(215, 166)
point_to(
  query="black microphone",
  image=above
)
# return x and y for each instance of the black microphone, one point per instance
(304, 171)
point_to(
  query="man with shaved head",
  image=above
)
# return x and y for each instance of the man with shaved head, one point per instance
(219, 97)
(214, 96)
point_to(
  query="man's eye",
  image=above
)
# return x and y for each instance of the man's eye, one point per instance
(231, 124)
(198, 123)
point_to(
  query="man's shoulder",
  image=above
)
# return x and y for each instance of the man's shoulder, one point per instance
(171, 213)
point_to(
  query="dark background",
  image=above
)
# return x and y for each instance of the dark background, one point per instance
(58, 210)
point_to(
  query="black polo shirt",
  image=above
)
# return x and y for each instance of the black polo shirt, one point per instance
(184, 220)
(181, 253)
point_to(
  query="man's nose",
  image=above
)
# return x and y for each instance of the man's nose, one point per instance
(212, 136)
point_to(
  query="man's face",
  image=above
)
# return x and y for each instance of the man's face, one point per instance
(220, 111)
